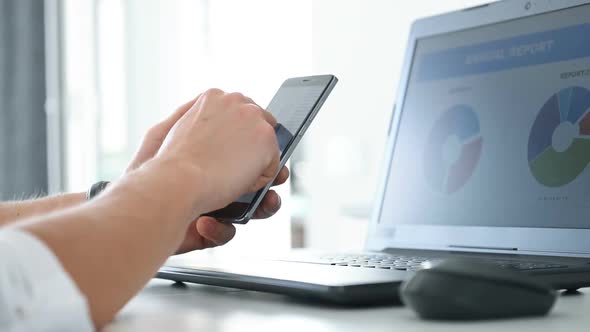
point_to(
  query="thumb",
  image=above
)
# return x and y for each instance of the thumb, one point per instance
(268, 174)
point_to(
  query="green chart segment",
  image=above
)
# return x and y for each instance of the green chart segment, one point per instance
(549, 166)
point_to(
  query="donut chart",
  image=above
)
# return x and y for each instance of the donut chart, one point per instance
(559, 142)
(458, 127)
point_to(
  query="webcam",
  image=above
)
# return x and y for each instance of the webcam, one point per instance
(528, 5)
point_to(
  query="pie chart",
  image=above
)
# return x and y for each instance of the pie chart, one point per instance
(559, 143)
(452, 149)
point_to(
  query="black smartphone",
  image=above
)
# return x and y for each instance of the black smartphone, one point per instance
(294, 106)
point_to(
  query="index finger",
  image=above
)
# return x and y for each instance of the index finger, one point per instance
(267, 115)
(269, 118)
(171, 120)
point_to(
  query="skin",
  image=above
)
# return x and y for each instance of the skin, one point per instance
(212, 232)
(185, 167)
(11, 212)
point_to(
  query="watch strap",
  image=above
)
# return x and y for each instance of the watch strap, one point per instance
(96, 189)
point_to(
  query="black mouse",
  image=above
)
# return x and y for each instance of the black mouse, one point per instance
(465, 289)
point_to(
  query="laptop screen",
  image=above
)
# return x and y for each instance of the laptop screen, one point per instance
(495, 127)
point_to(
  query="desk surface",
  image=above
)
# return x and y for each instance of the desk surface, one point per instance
(163, 307)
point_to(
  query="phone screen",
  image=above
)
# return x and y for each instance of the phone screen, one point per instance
(294, 106)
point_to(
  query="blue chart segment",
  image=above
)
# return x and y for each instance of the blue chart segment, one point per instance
(460, 124)
(559, 142)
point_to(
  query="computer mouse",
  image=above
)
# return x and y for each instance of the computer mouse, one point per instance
(466, 289)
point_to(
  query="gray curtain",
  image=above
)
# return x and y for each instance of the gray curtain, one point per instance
(23, 153)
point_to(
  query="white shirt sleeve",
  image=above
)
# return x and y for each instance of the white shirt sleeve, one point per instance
(36, 293)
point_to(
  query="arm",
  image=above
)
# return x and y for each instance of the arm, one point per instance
(112, 246)
(154, 205)
(12, 211)
(15, 210)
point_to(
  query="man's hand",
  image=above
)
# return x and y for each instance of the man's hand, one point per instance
(207, 232)
(203, 232)
(218, 148)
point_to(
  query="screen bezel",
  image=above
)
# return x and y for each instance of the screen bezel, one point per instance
(327, 82)
(535, 241)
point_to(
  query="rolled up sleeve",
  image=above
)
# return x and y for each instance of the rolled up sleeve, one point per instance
(36, 293)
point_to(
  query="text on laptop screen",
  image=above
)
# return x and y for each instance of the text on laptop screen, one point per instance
(495, 127)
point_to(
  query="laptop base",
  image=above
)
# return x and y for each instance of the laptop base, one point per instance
(325, 278)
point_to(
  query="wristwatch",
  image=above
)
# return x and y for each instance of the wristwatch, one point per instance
(96, 189)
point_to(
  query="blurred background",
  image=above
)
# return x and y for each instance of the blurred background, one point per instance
(82, 80)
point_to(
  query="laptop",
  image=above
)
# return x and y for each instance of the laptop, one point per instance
(487, 157)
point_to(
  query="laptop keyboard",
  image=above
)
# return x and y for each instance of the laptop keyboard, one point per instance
(413, 263)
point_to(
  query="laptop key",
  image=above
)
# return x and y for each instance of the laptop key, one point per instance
(413, 263)
(553, 266)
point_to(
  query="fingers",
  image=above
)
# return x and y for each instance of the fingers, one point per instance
(156, 135)
(271, 203)
(213, 234)
(161, 130)
(268, 174)
(266, 115)
(171, 120)
(282, 176)
(269, 118)
(207, 232)
(216, 233)
(271, 169)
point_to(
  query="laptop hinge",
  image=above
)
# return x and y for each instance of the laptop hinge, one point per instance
(482, 248)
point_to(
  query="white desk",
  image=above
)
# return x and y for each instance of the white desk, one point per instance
(162, 307)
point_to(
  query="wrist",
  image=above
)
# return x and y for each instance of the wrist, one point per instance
(175, 189)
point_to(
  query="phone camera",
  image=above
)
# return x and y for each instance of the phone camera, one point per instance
(528, 5)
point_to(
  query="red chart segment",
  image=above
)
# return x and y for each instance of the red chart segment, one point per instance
(458, 124)
(461, 170)
(585, 125)
(556, 155)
